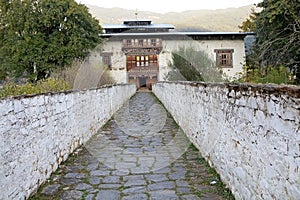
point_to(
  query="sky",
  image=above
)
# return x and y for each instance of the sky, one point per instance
(169, 5)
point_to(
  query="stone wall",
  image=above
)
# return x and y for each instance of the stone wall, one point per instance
(249, 133)
(38, 132)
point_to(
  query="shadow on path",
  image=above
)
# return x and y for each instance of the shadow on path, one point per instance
(141, 153)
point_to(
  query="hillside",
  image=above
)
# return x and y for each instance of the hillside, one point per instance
(194, 20)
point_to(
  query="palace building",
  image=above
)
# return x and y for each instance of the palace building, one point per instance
(139, 52)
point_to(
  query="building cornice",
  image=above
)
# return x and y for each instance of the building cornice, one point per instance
(182, 35)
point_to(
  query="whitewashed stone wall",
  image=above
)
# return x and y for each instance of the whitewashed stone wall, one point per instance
(249, 133)
(37, 133)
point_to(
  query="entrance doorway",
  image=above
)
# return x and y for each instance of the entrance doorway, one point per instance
(142, 81)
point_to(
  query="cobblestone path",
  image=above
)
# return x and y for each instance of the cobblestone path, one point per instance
(139, 154)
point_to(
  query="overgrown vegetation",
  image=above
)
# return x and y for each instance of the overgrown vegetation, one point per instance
(214, 182)
(277, 75)
(277, 29)
(192, 65)
(41, 86)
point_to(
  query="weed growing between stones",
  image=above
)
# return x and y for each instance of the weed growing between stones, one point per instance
(56, 175)
(209, 184)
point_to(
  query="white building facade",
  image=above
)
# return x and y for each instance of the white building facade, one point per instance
(140, 53)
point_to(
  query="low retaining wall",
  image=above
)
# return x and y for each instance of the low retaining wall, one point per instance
(38, 132)
(249, 133)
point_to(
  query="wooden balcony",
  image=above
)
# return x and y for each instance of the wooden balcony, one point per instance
(144, 45)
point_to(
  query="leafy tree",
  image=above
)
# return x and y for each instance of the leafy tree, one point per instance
(38, 36)
(277, 29)
(191, 65)
(249, 24)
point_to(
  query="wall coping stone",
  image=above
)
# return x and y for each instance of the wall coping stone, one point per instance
(25, 96)
(270, 89)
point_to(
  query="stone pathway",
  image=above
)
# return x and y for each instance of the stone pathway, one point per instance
(140, 153)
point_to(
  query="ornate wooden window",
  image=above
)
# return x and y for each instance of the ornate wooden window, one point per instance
(224, 58)
(138, 61)
(128, 42)
(153, 60)
(142, 61)
(131, 62)
(146, 61)
(153, 42)
(141, 43)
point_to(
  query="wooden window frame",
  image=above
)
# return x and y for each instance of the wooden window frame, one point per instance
(141, 60)
(130, 62)
(140, 42)
(153, 42)
(224, 58)
(128, 43)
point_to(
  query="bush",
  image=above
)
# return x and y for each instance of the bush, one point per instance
(277, 75)
(42, 86)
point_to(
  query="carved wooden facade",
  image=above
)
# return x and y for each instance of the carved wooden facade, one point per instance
(142, 60)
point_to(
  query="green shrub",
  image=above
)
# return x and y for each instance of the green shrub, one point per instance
(277, 75)
(42, 86)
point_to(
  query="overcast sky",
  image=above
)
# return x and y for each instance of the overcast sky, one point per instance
(169, 5)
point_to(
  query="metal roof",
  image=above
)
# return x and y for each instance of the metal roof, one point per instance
(137, 20)
(124, 26)
(179, 34)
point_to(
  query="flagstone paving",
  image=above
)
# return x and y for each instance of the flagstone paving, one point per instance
(141, 153)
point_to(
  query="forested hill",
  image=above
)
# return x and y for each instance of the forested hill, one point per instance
(195, 20)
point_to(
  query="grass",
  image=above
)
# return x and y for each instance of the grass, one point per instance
(219, 187)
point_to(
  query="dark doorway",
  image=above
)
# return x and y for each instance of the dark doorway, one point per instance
(142, 81)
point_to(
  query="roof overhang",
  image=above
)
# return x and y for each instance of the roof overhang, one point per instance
(182, 35)
(124, 26)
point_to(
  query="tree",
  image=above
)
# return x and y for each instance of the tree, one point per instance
(277, 29)
(38, 36)
(192, 65)
(249, 24)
